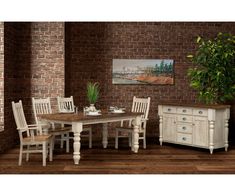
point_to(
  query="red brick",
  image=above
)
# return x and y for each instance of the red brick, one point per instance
(90, 48)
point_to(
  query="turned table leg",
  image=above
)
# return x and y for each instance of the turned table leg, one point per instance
(77, 129)
(105, 135)
(135, 140)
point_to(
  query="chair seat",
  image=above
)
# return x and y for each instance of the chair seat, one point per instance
(127, 129)
(59, 131)
(37, 139)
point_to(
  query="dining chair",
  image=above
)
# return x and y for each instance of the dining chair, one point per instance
(43, 106)
(66, 105)
(138, 105)
(32, 139)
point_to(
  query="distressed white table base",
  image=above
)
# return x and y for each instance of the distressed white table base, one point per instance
(135, 135)
(105, 135)
(77, 129)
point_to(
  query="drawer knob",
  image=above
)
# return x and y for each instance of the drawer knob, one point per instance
(184, 128)
(169, 109)
(200, 112)
(184, 118)
(184, 138)
(184, 111)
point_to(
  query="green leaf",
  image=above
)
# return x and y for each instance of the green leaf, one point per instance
(190, 56)
(214, 73)
(198, 39)
(92, 92)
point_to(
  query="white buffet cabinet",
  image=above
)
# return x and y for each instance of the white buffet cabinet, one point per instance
(203, 126)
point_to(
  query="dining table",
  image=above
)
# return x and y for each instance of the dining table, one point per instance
(78, 120)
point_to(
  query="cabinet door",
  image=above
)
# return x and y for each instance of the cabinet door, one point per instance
(169, 127)
(200, 131)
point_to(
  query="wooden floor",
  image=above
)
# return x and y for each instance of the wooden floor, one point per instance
(156, 159)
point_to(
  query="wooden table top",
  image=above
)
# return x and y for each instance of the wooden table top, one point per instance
(80, 117)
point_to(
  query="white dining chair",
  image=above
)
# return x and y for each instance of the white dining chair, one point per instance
(43, 106)
(32, 139)
(138, 105)
(66, 105)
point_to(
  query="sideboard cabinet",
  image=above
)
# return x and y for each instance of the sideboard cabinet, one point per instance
(203, 126)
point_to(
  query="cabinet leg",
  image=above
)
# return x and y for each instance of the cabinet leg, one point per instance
(226, 135)
(211, 134)
(211, 150)
(226, 148)
(160, 129)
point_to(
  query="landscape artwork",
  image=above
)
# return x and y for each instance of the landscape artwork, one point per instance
(143, 71)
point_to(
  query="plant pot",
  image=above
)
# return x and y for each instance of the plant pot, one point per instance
(92, 108)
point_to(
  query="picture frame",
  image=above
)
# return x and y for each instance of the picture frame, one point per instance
(143, 71)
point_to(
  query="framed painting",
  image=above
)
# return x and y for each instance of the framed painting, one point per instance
(143, 71)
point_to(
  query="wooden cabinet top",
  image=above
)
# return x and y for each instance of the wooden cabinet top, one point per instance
(212, 106)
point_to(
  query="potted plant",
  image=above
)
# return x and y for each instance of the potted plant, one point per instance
(92, 94)
(214, 74)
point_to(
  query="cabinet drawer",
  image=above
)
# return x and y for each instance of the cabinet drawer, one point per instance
(200, 112)
(184, 118)
(184, 138)
(182, 110)
(185, 128)
(169, 109)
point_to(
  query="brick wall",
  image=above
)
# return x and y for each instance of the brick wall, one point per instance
(90, 48)
(41, 61)
(9, 136)
(1, 76)
(34, 67)
(47, 60)
(34, 55)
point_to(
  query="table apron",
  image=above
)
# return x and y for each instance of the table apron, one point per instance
(95, 121)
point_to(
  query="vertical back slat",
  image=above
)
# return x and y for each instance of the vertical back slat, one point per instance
(41, 106)
(141, 105)
(19, 115)
(65, 104)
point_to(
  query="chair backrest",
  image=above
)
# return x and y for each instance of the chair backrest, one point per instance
(41, 106)
(19, 116)
(141, 105)
(66, 104)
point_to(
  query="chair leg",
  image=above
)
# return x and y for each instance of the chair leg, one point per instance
(116, 139)
(67, 142)
(53, 142)
(27, 154)
(51, 150)
(129, 139)
(20, 155)
(144, 141)
(62, 141)
(44, 153)
(90, 139)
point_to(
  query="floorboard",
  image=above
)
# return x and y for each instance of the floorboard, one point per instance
(156, 159)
